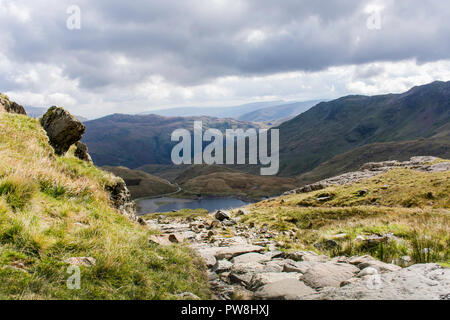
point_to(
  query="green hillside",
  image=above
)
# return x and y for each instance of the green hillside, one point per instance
(335, 127)
(54, 208)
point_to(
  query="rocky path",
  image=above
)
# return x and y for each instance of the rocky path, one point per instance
(244, 263)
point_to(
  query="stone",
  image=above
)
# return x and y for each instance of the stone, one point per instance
(287, 289)
(221, 215)
(307, 256)
(299, 266)
(121, 198)
(232, 251)
(81, 152)
(188, 296)
(10, 106)
(262, 279)
(229, 223)
(243, 273)
(176, 238)
(417, 282)
(160, 240)
(209, 259)
(222, 266)
(369, 271)
(250, 257)
(62, 129)
(379, 266)
(81, 261)
(328, 274)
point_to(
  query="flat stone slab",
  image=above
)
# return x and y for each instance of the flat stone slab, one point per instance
(232, 251)
(287, 289)
(262, 279)
(329, 274)
(250, 257)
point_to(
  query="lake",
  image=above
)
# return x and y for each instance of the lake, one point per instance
(166, 204)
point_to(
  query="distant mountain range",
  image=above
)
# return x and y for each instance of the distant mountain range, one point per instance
(338, 126)
(220, 112)
(136, 140)
(329, 138)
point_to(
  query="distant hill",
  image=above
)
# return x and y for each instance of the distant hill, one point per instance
(331, 128)
(136, 140)
(220, 112)
(282, 112)
(142, 184)
(214, 180)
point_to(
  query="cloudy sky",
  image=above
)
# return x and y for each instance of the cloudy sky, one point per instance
(134, 56)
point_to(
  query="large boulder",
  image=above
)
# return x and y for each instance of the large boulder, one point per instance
(62, 129)
(10, 106)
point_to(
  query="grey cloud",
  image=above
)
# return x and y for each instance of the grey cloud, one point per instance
(192, 42)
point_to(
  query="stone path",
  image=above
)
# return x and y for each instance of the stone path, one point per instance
(245, 263)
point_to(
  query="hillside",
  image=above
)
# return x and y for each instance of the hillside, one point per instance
(380, 151)
(55, 209)
(142, 184)
(394, 213)
(338, 126)
(222, 181)
(136, 140)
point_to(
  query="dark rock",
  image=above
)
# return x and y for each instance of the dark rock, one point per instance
(62, 129)
(121, 198)
(221, 216)
(81, 152)
(11, 107)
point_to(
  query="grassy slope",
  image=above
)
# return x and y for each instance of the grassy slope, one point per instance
(53, 208)
(142, 184)
(411, 204)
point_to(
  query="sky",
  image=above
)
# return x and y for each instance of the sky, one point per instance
(109, 56)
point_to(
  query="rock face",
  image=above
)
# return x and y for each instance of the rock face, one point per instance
(121, 198)
(81, 152)
(62, 129)
(10, 106)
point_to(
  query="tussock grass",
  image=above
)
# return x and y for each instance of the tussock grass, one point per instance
(53, 208)
(411, 205)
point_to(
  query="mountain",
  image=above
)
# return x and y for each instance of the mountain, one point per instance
(281, 113)
(334, 127)
(136, 140)
(220, 112)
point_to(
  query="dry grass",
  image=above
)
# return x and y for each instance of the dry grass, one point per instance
(410, 204)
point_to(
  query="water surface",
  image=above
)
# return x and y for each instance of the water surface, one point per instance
(166, 204)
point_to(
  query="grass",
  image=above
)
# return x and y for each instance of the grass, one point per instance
(411, 205)
(183, 213)
(53, 208)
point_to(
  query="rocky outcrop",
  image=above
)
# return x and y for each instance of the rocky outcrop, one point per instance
(62, 129)
(371, 169)
(81, 152)
(10, 106)
(121, 198)
(245, 263)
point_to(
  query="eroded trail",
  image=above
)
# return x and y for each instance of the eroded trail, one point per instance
(244, 262)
